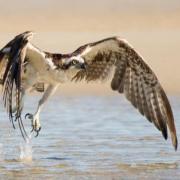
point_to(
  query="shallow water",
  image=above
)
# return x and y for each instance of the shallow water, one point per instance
(88, 137)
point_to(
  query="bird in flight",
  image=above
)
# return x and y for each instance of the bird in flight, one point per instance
(24, 66)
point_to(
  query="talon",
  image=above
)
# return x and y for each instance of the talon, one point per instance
(37, 132)
(34, 123)
(28, 115)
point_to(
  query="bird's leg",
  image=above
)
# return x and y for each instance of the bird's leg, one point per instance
(36, 126)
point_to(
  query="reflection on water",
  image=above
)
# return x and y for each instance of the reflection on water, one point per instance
(88, 138)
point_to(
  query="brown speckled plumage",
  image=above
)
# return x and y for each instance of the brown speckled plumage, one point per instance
(133, 77)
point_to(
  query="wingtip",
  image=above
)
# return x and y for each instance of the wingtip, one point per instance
(28, 35)
(28, 32)
(173, 138)
(165, 134)
(175, 143)
(170, 120)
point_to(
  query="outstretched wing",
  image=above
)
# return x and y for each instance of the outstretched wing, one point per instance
(4, 54)
(14, 52)
(131, 76)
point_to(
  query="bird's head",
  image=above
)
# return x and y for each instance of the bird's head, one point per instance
(73, 63)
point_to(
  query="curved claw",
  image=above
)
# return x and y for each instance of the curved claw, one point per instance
(37, 132)
(35, 123)
(28, 115)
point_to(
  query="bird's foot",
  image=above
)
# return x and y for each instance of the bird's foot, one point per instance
(36, 126)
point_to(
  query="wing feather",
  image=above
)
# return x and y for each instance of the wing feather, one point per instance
(12, 80)
(132, 76)
(12, 65)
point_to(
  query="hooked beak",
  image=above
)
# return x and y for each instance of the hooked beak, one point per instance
(83, 66)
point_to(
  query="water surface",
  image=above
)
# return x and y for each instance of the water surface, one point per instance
(88, 137)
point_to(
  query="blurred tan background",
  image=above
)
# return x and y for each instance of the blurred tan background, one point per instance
(152, 27)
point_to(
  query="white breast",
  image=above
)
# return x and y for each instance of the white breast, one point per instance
(45, 67)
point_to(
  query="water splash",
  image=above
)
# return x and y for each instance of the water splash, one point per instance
(1, 152)
(26, 150)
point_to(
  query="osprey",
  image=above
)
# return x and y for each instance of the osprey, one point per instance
(24, 66)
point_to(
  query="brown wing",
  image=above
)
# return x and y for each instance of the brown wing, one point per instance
(15, 50)
(4, 54)
(3, 64)
(132, 76)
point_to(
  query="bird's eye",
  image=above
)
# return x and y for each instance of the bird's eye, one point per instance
(74, 62)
